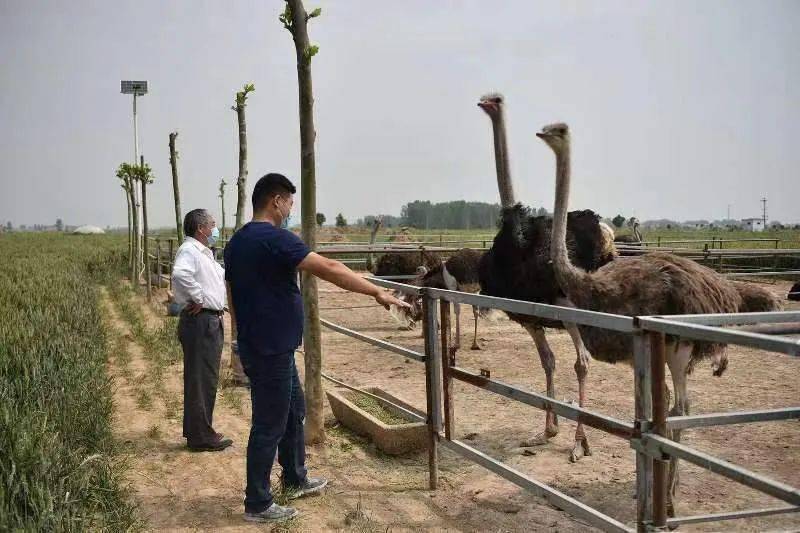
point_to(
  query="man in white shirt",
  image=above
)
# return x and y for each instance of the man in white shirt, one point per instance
(198, 282)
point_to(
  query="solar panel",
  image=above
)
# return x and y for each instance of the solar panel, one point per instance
(133, 87)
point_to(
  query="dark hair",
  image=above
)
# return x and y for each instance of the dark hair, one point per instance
(193, 220)
(268, 187)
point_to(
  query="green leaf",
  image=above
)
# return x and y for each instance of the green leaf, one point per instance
(317, 12)
(311, 51)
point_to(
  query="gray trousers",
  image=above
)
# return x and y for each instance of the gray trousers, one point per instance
(201, 337)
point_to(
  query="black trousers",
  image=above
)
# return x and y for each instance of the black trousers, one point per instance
(201, 337)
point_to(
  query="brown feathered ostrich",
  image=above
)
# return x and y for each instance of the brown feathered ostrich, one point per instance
(458, 273)
(629, 241)
(518, 266)
(405, 263)
(651, 284)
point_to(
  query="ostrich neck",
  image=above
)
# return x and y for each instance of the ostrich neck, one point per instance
(501, 161)
(568, 276)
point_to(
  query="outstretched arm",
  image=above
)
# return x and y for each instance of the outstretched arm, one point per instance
(341, 276)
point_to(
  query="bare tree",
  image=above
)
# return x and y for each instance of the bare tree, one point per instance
(295, 19)
(173, 162)
(126, 187)
(129, 174)
(145, 177)
(222, 185)
(241, 181)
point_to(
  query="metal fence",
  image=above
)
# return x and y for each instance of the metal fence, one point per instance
(646, 433)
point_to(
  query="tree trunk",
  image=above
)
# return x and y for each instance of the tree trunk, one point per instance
(241, 181)
(173, 162)
(130, 225)
(222, 204)
(135, 256)
(312, 342)
(145, 245)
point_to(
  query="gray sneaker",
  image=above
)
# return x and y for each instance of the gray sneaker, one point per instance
(273, 513)
(312, 485)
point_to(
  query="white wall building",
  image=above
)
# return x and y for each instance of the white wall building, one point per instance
(753, 224)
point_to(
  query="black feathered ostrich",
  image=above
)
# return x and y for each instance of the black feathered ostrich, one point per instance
(651, 284)
(518, 266)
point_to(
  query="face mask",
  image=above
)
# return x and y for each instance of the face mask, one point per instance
(286, 218)
(214, 237)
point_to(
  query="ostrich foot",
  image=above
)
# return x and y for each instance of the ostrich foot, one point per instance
(540, 439)
(475, 346)
(581, 449)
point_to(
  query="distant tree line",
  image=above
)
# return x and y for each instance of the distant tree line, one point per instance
(450, 215)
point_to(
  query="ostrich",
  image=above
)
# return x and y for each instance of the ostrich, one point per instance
(794, 292)
(633, 240)
(518, 266)
(458, 273)
(405, 263)
(652, 284)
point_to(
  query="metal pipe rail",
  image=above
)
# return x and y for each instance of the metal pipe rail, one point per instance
(719, 335)
(716, 517)
(400, 350)
(739, 417)
(611, 425)
(661, 448)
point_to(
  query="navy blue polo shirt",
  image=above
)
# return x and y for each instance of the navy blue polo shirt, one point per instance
(261, 268)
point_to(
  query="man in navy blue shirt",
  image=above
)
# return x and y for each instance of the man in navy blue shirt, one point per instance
(261, 263)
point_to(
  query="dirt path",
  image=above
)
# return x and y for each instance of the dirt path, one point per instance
(182, 491)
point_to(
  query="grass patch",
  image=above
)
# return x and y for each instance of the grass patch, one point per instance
(374, 407)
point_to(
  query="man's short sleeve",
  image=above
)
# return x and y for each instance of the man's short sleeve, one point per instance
(290, 249)
(226, 256)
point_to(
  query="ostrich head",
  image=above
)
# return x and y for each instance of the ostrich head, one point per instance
(556, 136)
(492, 104)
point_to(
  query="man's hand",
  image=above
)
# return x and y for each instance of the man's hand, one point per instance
(194, 308)
(386, 299)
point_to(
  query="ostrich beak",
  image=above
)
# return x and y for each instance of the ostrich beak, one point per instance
(542, 135)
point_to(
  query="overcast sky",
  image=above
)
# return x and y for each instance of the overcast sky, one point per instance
(677, 109)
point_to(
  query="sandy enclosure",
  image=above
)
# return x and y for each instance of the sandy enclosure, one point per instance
(182, 491)
(496, 425)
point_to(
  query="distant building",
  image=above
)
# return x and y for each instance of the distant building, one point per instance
(88, 230)
(753, 224)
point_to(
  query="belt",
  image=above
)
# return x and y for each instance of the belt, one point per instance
(206, 310)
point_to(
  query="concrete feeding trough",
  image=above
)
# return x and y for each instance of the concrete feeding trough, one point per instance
(403, 436)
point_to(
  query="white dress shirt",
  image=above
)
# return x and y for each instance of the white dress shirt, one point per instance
(197, 277)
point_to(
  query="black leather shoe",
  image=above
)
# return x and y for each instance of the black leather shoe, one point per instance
(217, 446)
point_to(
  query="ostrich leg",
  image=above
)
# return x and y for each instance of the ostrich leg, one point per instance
(475, 335)
(548, 360)
(678, 362)
(457, 311)
(581, 447)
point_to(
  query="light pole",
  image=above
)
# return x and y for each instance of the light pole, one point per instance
(136, 88)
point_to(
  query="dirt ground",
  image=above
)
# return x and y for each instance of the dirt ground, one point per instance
(183, 491)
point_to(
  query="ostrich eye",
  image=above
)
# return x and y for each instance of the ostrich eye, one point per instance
(497, 100)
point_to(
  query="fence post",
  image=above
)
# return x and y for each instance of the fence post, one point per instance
(147, 273)
(170, 262)
(158, 260)
(659, 392)
(448, 359)
(643, 414)
(432, 383)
